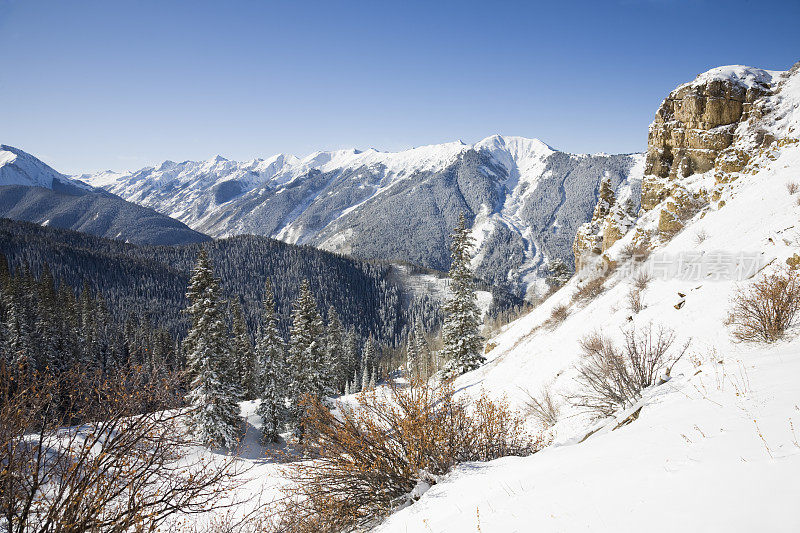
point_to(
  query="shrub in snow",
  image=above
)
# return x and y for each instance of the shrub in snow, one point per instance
(613, 377)
(544, 407)
(372, 456)
(558, 315)
(589, 290)
(763, 311)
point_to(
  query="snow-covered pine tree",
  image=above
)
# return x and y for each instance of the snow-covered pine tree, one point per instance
(558, 273)
(243, 355)
(412, 357)
(368, 359)
(335, 358)
(463, 344)
(306, 356)
(272, 364)
(214, 413)
(351, 347)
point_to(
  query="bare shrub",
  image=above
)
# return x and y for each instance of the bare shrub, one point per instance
(544, 407)
(589, 290)
(77, 453)
(370, 457)
(558, 315)
(636, 250)
(764, 310)
(791, 187)
(642, 280)
(634, 300)
(700, 236)
(612, 377)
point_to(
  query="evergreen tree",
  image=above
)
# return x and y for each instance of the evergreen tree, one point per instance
(272, 364)
(306, 356)
(243, 355)
(412, 357)
(214, 415)
(368, 358)
(463, 344)
(335, 357)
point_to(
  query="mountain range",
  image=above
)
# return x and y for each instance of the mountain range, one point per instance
(524, 199)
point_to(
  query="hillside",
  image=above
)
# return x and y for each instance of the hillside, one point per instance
(32, 191)
(524, 199)
(719, 439)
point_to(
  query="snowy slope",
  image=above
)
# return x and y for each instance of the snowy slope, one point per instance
(20, 168)
(32, 191)
(716, 447)
(526, 200)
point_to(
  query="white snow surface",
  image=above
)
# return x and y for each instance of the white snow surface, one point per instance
(748, 77)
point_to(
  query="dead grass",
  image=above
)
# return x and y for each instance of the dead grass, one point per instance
(791, 187)
(589, 290)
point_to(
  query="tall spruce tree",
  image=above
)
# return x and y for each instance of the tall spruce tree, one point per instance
(412, 357)
(270, 355)
(214, 413)
(463, 344)
(335, 358)
(306, 356)
(243, 355)
(368, 360)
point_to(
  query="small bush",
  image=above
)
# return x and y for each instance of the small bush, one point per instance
(637, 251)
(544, 407)
(642, 280)
(763, 311)
(589, 290)
(612, 378)
(634, 300)
(371, 458)
(791, 187)
(700, 236)
(558, 315)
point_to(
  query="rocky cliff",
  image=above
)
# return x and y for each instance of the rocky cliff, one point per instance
(704, 135)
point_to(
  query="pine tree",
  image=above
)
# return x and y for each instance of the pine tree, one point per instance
(335, 357)
(306, 356)
(214, 414)
(272, 363)
(243, 355)
(368, 357)
(412, 357)
(463, 344)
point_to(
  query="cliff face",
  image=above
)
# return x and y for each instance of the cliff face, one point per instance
(695, 128)
(704, 135)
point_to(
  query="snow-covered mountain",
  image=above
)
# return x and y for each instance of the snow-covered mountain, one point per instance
(32, 191)
(526, 200)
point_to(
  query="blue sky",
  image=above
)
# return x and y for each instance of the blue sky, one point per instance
(120, 85)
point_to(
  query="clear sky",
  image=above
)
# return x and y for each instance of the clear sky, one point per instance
(120, 85)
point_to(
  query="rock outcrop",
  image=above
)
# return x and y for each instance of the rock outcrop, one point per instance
(610, 221)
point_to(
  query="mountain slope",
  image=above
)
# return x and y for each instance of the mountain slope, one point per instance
(525, 200)
(715, 448)
(31, 191)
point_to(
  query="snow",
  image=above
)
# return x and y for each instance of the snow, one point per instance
(715, 448)
(748, 77)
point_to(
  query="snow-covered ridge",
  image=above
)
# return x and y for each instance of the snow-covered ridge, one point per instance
(20, 168)
(742, 75)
